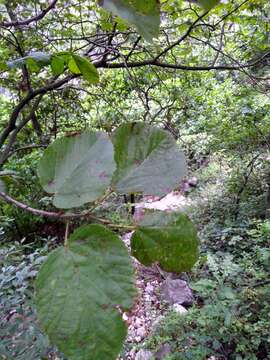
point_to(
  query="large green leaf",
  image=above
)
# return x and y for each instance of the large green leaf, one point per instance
(144, 14)
(169, 239)
(78, 290)
(77, 169)
(148, 160)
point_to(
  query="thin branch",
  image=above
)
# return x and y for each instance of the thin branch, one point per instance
(249, 170)
(231, 12)
(61, 215)
(136, 42)
(101, 64)
(220, 45)
(66, 234)
(153, 62)
(27, 147)
(182, 38)
(36, 18)
(26, 100)
(5, 154)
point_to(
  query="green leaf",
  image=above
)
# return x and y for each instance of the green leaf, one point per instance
(32, 65)
(208, 4)
(57, 65)
(77, 169)
(145, 15)
(64, 55)
(88, 70)
(169, 239)
(73, 67)
(78, 290)
(148, 160)
(41, 58)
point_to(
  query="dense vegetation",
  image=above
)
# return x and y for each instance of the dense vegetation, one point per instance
(104, 103)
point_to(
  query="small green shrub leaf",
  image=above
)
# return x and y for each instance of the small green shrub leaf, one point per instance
(148, 160)
(78, 290)
(77, 169)
(145, 15)
(169, 239)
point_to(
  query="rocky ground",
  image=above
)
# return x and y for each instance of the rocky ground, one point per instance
(157, 291)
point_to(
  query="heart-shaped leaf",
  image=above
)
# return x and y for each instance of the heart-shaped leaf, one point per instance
(77, 169)
(78, 291)
(145, 15)
(148, 160)
(169, 239)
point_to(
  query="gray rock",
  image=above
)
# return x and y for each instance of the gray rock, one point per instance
(179, 309)
(164, 350)
(141, 331)
(176, 291)
(144, 355)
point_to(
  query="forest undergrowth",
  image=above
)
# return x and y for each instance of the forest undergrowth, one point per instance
(230, 316)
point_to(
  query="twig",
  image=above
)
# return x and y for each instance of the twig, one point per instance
(249, 170)
(61, 215)
(36, 18)
(27, 147)
(66, 234)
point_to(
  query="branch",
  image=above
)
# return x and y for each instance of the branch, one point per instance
(249, 170)
(5, 154)
(101, 64)
(231, 12)
(153, 62)
(219, 49)
(27, 147)
(60, 215)
(178, 42)
(26, 100)
(36, 18)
